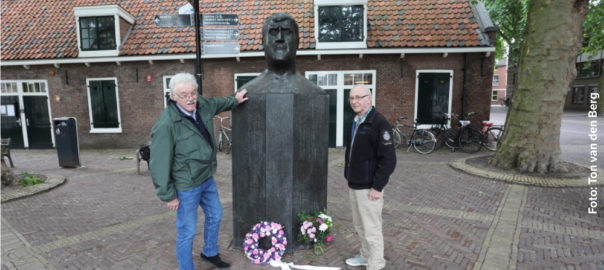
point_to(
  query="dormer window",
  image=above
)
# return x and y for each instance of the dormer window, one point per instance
(340, 24)
(97, 33)
(102, 29)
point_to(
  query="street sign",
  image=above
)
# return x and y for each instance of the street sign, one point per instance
(219, 19)
(171, 20)
(220, 34)
(220, 48)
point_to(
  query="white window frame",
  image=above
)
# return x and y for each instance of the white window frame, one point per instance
(344, 44)
(22, 118)
(494, 95)
(417, 72)
(166, 88)
(495, 82)
(339, 87)
(255, 74)
(96, 11)
(117, 100)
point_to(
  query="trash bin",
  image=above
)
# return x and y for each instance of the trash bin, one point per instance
(66, 137)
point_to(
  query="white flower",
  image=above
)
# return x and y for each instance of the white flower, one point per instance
(323, 227)
(324, 216)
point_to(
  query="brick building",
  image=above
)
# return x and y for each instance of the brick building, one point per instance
(589, 70)
(500, 82)
(107, 64)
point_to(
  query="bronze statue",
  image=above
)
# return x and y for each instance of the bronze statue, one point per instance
(280, 140)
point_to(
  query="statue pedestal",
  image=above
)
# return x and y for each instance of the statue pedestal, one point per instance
(280, 143)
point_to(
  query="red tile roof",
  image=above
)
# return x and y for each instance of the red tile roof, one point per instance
(46, 29)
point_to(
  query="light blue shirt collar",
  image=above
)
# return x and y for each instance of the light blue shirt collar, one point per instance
(361, 119)
(193, 115)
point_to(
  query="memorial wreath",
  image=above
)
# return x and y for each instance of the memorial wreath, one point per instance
(265, 234)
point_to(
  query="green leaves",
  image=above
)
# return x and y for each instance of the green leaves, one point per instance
(30, 180)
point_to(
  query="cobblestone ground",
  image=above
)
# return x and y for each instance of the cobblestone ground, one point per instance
(106, 216)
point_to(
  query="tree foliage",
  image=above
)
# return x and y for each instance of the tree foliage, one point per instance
(510, 18)
(593, 27)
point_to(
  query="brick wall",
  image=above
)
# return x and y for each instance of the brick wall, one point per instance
(142, 101)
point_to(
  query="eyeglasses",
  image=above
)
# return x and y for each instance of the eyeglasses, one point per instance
(352, 98)
(187, 96)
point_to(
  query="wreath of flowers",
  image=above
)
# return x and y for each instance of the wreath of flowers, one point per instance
(273, 231)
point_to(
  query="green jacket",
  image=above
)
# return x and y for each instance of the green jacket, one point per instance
(181, 158)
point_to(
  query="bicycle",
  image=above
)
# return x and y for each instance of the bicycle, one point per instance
(467, 138)
(224, 141)
(491, 134)
(422, 140)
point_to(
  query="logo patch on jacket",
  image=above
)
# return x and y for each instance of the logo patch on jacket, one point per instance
(386, 137)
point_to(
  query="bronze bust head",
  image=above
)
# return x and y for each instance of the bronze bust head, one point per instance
(280, 40)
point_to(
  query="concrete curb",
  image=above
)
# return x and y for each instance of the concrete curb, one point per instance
(462, 165)
(16, 192)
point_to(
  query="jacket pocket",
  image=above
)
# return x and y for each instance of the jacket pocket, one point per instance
(361, 173)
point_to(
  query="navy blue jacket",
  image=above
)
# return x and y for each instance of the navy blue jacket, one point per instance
(373, 157)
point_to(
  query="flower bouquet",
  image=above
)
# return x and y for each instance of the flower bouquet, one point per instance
(316, 229)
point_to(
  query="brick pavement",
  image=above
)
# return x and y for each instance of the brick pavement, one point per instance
(106, 216)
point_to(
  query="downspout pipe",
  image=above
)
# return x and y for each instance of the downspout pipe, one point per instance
(464, 86)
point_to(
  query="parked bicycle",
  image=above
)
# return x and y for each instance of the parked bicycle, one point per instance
(224, 141)
(464, 137)
(422, 140)
(491, 134)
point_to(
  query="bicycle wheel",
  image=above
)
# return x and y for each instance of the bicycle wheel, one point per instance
(450, 139)
(424, 142)
(492, 139)
(228, 145)
(470, 140)
(396, 138)
(219, 143)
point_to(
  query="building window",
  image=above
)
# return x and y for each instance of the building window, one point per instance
(243, 78)
(9, 88)
(340, 26)
(578, 95)
(496, 80)
(97, 33)
(494, 95)
(167, 90)
(104, 105)
(589, 69)
(102, 30)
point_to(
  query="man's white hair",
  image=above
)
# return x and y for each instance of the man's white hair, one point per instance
(182, 78)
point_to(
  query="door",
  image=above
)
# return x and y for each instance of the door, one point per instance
(37, 121)
(11, 122)
(348, 117)
(433, 95)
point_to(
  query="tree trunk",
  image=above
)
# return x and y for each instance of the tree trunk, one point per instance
(531, 141)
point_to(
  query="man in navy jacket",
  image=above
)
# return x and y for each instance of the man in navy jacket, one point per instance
(370, 160)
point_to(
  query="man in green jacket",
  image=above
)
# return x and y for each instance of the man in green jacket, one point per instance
(183, 162)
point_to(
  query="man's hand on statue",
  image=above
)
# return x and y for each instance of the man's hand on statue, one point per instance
(374, 195)
(173, 204)
(240, 96)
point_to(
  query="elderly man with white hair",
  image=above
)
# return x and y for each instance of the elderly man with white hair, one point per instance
(183, 162)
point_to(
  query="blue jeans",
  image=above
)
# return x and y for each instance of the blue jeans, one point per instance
(206, 196)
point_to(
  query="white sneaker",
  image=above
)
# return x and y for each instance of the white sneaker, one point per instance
(356, 261)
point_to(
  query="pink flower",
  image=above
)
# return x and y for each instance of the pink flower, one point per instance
(272, 249)
(255, 252)
(257, 261)
(255, 236)
(249, 241)
(329, 238)
(274, 240)
(320, 221)
(266, 255)
(285, 241)
(281, 232)
(312, 235)
(301, 229)
(277, 257)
